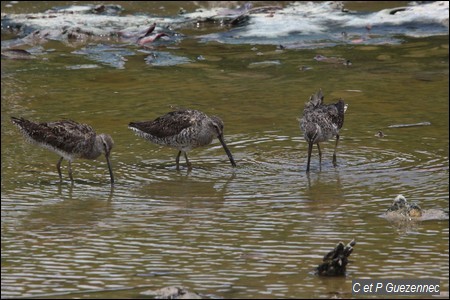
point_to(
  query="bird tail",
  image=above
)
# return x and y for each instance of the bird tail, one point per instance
(19, 122)
(16, 121)
(136, 125)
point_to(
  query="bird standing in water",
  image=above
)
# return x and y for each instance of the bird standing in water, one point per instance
(320, 122)
(183, 130)
(68, 139)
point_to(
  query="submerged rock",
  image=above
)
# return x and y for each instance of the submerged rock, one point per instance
(165, 59)
(410, 125)
(172, 292)
(333, 60)
(113, 56)
(85, 24)
(380, 134)
(335, 262)
(17, 54)
(108, 9)
(296, 25)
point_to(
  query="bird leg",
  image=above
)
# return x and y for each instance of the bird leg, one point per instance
(70, 171)
(320, 153)
(185, 157)
(310, 146)
(177, 160)
(187, 161)
(335, 147)
(58, 167)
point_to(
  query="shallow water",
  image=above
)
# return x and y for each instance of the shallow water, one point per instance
(257, 230)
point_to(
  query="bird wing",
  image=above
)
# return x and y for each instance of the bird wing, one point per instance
(169, 124)
(66, 135)
(71, 136)
(334, 113)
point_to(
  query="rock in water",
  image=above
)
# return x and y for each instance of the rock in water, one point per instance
(172, 292)
(335, 262)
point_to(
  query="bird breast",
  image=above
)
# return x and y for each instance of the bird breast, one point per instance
(198, 136)
(92, 149)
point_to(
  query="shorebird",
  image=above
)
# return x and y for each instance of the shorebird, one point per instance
(320, 122)
(401, 206)
(183, 130)
(68, 139)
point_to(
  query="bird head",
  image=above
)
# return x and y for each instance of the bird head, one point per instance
(217, 125)
(107, 143)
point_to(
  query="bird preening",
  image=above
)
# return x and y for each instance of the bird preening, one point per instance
(68, 139)
(320, 122)
(184, 130)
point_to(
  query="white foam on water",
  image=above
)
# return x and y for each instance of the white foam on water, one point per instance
(303, 24)
(316, 18)
(433, 13)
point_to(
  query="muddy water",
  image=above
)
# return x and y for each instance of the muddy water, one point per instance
(254, 231)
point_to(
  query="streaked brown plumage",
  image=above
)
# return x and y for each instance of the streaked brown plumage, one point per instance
(68, 139)
(183, 130)
(320, 122)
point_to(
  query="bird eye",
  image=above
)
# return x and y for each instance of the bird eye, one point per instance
(218, 128)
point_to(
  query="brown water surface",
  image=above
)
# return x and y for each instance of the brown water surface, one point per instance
(256, 231)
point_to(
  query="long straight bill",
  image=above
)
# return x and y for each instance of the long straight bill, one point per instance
(227, 150)
(110, 169)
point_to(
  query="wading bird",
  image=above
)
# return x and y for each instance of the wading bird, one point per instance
(183, 130)
(68, 139)
(320, 122)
